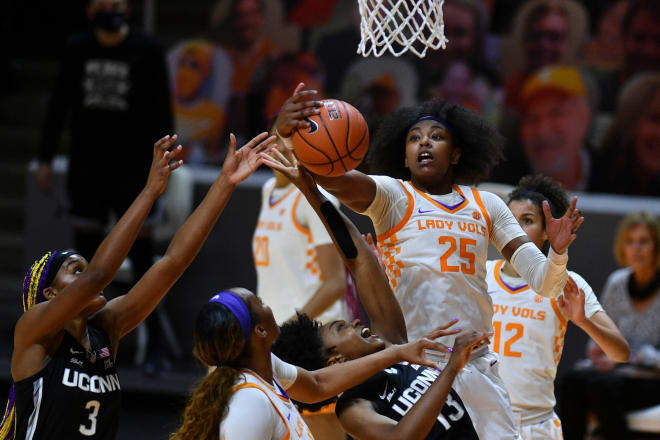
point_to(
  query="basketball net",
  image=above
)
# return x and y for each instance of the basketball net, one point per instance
(400, 25)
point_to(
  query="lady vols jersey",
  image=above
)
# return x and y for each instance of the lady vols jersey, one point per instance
(435, 252)
(284, 246)
(529, 337)
(259, 410)
(75, 396)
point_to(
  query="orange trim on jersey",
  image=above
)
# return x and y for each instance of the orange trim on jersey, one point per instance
(266, 384)
(503, 285)
(402, 223)
(289, 191)
(298, 226)
(441, 206)
(555, 307)
(477, 198)
(324, 410)
(251, 385)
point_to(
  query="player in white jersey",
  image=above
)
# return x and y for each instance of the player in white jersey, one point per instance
(529, 329)
(297, 266)
(435, 234)
(245, 396)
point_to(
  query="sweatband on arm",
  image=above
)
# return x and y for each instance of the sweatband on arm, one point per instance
(546, 276)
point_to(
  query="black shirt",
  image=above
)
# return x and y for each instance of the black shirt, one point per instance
(395, 390)
(76, 396)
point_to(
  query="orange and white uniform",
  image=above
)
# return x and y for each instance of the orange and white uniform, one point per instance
(284, 248)
(259, 410)
(529, 337)
(435, 248)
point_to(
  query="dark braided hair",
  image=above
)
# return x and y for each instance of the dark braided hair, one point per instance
(480, 143)
(300, 344)
(537, 188)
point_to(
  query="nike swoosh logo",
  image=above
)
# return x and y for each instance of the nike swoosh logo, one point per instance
(382, 396)
(75, 351)
(424, 212)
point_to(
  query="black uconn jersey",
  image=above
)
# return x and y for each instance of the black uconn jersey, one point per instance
(76, 396)
(395, 390)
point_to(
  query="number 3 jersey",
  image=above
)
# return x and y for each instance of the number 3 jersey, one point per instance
(395, 390)
(435, 250)
(529, 337)
(75, 396)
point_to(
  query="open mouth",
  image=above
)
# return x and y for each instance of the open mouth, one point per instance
(424, 157)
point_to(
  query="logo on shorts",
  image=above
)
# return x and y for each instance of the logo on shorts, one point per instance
(313, 126)
(476, 215)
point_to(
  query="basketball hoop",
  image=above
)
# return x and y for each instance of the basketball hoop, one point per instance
(400, 25)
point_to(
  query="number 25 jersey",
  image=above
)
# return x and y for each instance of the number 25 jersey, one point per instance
(436, 255)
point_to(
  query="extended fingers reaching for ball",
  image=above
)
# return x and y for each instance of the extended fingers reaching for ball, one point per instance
(294, 111)
(289, 166)
(561, 231)
(464, 344)
(164, 162)
(239, 164)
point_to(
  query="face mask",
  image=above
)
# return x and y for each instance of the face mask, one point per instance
(108, 20)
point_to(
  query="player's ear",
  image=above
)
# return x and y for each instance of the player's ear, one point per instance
(455, 155)
(405, 162)
(336, 358)
(49, 293)
(260, 331)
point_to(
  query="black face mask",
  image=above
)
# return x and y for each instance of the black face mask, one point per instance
(109, 20)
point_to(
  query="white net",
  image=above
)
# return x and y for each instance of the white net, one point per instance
(400, 25)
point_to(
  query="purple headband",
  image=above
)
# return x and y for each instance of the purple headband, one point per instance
(432, 118)
(237, 306)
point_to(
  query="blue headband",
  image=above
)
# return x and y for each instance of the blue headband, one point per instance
(236, 306)
(432, 118)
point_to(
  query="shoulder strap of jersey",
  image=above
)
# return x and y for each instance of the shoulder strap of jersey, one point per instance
(482, 208)
(406, 217)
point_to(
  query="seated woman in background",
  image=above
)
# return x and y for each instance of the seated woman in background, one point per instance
(631, 297)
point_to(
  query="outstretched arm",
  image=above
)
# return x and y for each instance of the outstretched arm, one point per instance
(320, 385)
(124, 313)
(360, 419)
(599, 327)
(373, 286)
(354, 189)
(51, 316)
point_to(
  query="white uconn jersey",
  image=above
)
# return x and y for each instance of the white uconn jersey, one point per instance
(529, 337)
(436, 262)
(292, 426)
(284, 249)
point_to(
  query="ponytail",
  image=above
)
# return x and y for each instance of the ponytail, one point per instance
(207, 406)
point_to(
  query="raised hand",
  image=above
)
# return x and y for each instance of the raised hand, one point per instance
(239, 164)
(561, 231)
(372, 245)
(571, 303)
(163, 163)
(294, 111)
(463, 346)
(289, 166)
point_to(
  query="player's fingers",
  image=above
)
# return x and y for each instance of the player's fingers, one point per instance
(313, 105)
(447, 325)
(174, 165)
(269, 162)
(571, 208)
(482, 340)
(175, 152)
(258, 139)
(546, 210)
(231, 149)
(266, 143)
(165, 140)
(577, 224)
(438, 333)
(428, 344)
(282, 158)
(299, 87)
(560, 301)
(303, 95)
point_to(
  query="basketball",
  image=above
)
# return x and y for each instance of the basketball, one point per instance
(336, 141)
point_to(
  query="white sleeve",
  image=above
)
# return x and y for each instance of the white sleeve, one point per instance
(504, 224)
(389, 206)
(250, 416)
(591, 304)
(546, 276)
(308, 216)
(286, 374)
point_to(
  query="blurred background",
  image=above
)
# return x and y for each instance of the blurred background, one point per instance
(573, 85)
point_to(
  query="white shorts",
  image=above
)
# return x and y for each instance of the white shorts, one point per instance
(486, 399)
(547, 430)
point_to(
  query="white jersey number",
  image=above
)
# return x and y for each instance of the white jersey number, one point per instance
(94, 405)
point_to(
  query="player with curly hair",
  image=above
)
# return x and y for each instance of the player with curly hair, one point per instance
(530, 329)
(403, 401)
(434, 232)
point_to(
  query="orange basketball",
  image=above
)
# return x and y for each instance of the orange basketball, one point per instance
(336, 142)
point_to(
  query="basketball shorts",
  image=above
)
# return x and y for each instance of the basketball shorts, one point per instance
(486, 399)
(549, 429)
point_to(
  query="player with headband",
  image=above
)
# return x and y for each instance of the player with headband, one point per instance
(530, 329)
(247, 395)
(434, 233)
(65, 383)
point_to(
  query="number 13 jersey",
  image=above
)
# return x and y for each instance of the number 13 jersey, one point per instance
(435, 250)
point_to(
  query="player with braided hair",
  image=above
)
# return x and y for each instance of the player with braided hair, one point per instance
(434, 232)
(65, 383)
(529, 329)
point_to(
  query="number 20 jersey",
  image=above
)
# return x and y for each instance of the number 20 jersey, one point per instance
(75, 396)
(436, 262)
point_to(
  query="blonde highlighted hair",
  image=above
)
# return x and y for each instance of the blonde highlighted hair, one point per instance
(641, 218)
